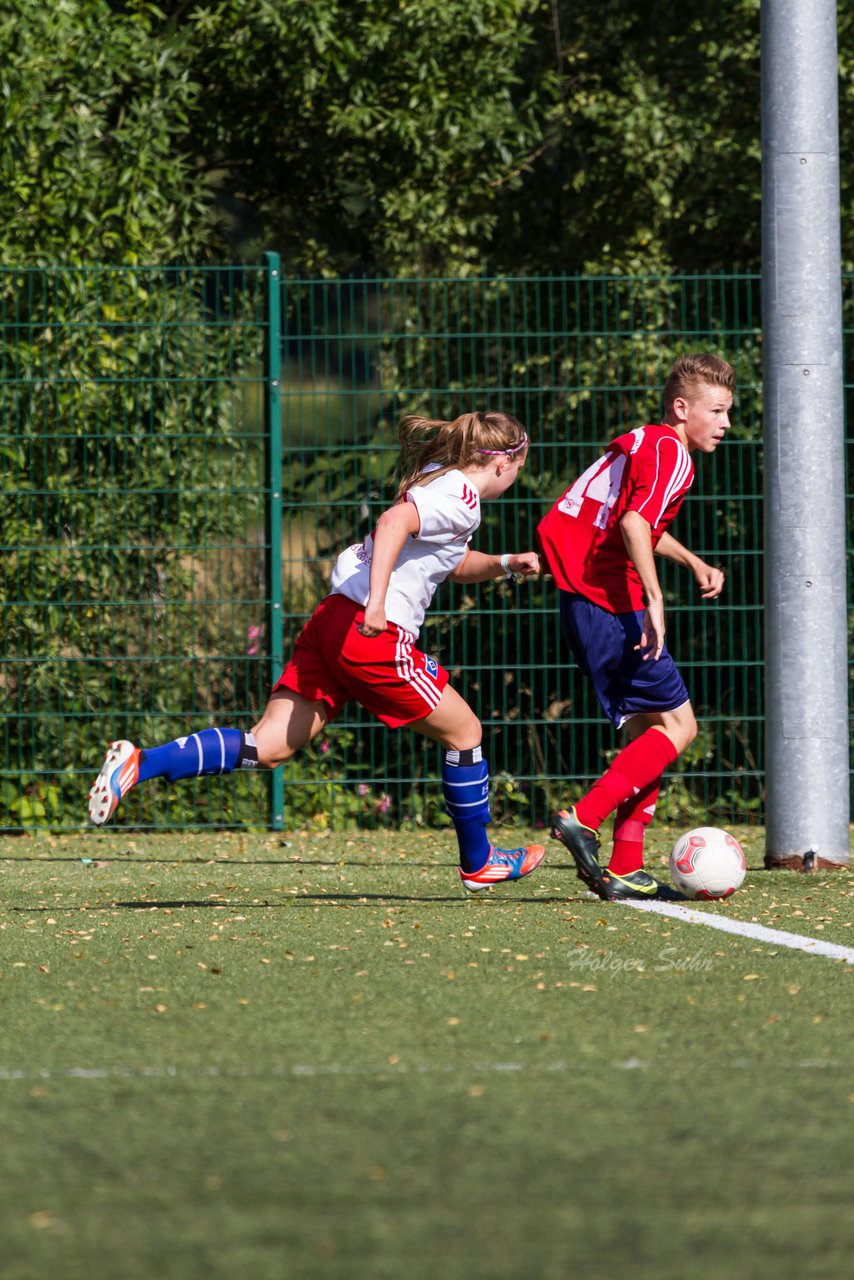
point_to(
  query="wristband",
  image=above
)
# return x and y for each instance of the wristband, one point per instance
(505, 565)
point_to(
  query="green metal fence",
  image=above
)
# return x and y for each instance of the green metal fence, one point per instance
(184, 451)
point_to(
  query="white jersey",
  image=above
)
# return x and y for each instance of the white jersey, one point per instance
(449, 511)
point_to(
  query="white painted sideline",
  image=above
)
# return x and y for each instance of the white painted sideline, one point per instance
(747, 929)
(466, 1069)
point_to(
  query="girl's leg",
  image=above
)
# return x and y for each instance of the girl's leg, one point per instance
(288, 723)
(465, 783)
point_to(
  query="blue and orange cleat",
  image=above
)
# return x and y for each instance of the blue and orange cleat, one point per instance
(503, 864)
(119, 773)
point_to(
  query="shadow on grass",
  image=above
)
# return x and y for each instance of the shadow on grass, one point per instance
(378, 864)
(291, 901)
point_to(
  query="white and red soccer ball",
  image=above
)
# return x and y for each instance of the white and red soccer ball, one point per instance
(707, 863)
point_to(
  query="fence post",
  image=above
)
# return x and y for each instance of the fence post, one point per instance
(273, 438)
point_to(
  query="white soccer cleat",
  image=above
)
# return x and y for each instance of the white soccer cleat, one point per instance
(119, 773)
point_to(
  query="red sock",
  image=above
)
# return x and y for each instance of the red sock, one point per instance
(630, 823)
(641, 762)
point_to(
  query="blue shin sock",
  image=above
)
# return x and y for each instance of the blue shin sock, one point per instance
(465, 784)
(200, 754)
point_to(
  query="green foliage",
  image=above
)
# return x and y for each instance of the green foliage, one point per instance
(423, 136)
(367, 131)
(650, 152)
(122, 448)
(322, 790)
(94, 164)
(441, 136)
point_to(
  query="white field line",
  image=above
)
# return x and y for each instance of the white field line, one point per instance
(305, 1069)
(747, 929)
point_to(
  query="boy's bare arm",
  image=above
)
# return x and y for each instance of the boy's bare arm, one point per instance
(637, 536)
(710, 578)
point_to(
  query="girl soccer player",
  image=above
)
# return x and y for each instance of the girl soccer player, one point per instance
(359, 644)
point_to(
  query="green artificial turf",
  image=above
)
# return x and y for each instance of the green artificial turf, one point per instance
(312, 1055)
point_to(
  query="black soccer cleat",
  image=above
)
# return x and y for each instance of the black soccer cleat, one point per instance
(583, 843)
(634, 884)
(638, 884)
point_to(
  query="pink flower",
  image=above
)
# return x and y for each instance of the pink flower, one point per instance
(363, 790)
(254, 636)
(324, 747)
(384, 803)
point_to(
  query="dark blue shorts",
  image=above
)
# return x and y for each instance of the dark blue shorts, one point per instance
(604, 647)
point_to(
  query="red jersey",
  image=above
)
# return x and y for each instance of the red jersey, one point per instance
(648, 470)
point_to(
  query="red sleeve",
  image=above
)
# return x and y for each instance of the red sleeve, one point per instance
(660, 472)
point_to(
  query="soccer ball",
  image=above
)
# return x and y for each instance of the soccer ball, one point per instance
(707, 863)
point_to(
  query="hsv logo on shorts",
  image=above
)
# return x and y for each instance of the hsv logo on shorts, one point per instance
(431, 666)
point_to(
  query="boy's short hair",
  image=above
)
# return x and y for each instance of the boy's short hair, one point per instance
(692, 371)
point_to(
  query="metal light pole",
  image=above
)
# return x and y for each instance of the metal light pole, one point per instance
(806, 658)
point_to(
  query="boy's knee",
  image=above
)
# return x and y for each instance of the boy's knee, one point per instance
(686, 732)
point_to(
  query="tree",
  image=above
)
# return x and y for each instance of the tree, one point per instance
(94, 158)
(370, 134)
(388, 136)
(439, 136)
(650, 153)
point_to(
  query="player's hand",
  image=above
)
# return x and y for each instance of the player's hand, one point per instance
(524, 565)
(652, 633)
(374, 623)
(710, 579)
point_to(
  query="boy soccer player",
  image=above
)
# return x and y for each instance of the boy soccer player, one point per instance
(599, 542)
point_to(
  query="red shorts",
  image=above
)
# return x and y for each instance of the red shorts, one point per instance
(333, 663)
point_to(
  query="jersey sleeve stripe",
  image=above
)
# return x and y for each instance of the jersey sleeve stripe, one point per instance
(678, 476)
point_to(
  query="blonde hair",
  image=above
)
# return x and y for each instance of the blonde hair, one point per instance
(447, 445)
(691, 372)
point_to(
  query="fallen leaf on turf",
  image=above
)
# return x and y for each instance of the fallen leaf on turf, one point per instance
(42, 1220)
(750, 977)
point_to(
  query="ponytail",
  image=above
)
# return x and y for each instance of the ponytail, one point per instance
(444, 446)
